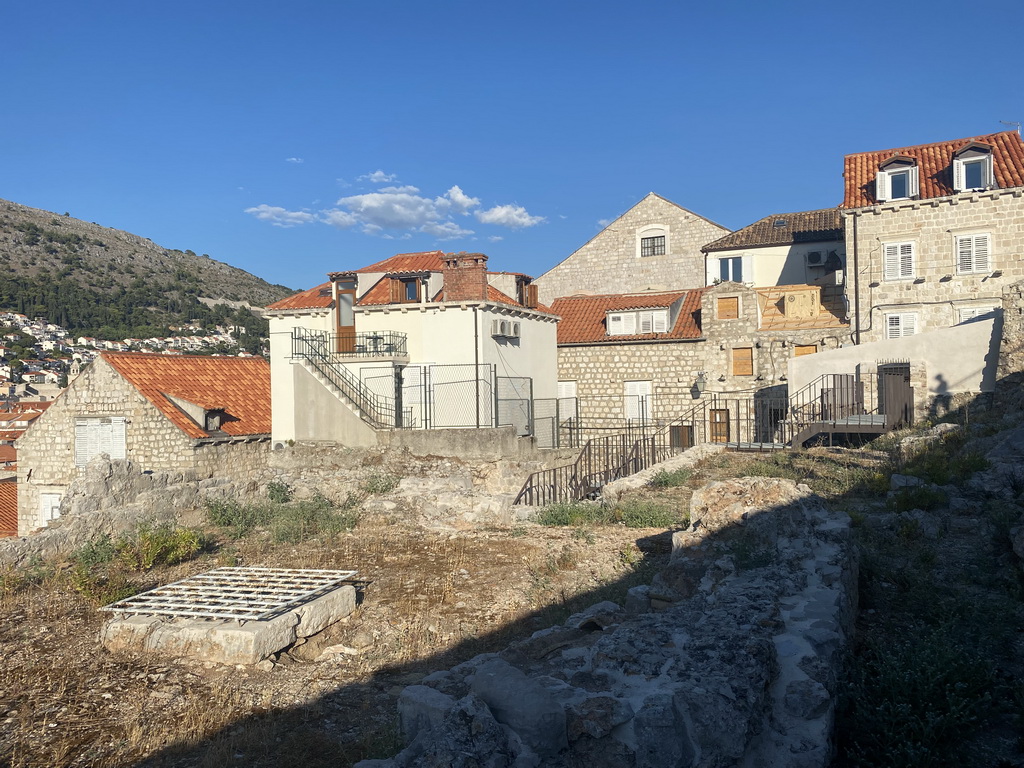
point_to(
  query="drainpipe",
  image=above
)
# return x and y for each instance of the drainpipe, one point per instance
(476, 361)
(856, 280)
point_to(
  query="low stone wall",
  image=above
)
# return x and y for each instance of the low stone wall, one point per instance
(114, 497)
(689, 458)
(731, 656)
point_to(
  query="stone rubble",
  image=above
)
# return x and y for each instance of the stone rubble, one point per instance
(731, 657)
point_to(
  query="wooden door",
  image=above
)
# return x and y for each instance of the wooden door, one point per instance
(895, 395)
(345, 316)
(719, 423)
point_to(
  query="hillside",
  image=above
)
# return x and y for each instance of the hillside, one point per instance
(113, 284)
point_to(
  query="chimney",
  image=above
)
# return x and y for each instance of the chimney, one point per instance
(465, 277)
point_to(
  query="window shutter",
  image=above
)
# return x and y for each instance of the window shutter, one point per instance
(628, 323)
(396, 290)
(906, 259)
(661, 322)
(646, 322)
(882, 186)
(958, 175)
(893, 327)
(118, 445)
(892, 261)
(964, 254)
(615, 325)
(743, 361)
(728, 308)
(566, 389)
(981, 252)
(912, 182)
(82, 435)
(909, 324)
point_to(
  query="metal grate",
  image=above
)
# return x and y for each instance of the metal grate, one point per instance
(245, 594)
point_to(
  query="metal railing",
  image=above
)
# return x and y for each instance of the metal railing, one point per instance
(604, 459)
(315, 348)
(369, 344)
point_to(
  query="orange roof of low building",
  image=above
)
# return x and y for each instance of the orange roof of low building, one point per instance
(935, 167)
(583, 317)
(318, 297)
(8, 509)
(423, 261)
(773, 317)
(240, 386)
(8, 453)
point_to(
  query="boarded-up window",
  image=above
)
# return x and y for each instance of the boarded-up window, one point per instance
(805, 349)
(728, 307)
(743, 361)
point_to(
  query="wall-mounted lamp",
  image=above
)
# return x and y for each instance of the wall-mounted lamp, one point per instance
(782, 377)
(918, 281)
(945, 278)
(997, 273)
(874, 284)
(757, 344)
(701, 383)
(722, 377)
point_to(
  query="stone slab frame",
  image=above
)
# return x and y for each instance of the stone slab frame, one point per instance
(611, 261)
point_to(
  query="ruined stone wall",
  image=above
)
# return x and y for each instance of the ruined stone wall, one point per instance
(936, 292)
(732, 656)
(236, 461)
(611, 262)
(1010, 369)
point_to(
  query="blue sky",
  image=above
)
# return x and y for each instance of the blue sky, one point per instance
(293, 139)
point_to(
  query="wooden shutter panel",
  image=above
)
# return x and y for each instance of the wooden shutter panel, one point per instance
(531, 296)
(981, 252)
(396, 290)
(743, 361)
(728, 308)
(660, 322)
(805, 349)
(882, 186)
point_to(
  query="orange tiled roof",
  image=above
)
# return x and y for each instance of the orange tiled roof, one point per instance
(380, 294)
(8, 509)
(783, 229)
(27, 405)
(583, 317)
(8, 453)
(424, 261)
(238, 385)
(773, 318)
(315, 298)
(935, 167)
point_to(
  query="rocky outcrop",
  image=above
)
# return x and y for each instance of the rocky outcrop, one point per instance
(731, 657)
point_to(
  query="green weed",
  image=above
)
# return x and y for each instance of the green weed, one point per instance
(380, 483)
(633, 513)
(671, 478)
(279, 492)
(924, 497)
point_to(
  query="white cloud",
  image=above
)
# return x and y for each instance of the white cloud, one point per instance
(378, 177)
(460, 201)
(408, 188)
(339, 219)
(294, 160)
(511, 216)
(495, 238)
(280, 217)
(445, 230)
(391, 210)
(602, 223)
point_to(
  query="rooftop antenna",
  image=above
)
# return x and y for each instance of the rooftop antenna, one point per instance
(1007, 122)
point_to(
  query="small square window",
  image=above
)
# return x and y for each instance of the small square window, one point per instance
(900, 324)
(972, 253)
(652, 246)
(899, 185)
(728, 307)
(743, 361)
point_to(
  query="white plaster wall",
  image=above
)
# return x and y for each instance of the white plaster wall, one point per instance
(776, 264)
(283, 398)
(958, 359)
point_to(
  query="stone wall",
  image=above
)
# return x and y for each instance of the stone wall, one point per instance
(937, 292)
(672, 366)
(611, 261)
(1010, 369)
(733, 656)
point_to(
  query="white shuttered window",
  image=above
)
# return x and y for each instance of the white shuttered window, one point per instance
(899, 261)
(900, 324)
(94, 436)
(638, 400)
(972, 253)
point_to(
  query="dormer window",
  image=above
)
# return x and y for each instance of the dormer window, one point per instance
(972, 168)
(213, 420)
(634, 322)
(897, 179)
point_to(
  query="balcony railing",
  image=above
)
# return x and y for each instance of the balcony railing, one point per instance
(370, 344)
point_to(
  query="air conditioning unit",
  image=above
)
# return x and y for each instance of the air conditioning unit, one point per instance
(505, 331)
(513, 330)
(815, 258)
(496, 328)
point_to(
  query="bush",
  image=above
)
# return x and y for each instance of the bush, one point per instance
(632, 514)
(381, 483)
(924, 497)
(279, 492)
(293, 521)
(671, 479)
(242, 519)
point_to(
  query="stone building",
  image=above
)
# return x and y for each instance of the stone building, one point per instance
(175, 413)
(934, 233)
(655, 245)
(652, 356)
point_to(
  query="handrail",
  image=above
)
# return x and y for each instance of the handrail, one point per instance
(314, 347)
(601, 460)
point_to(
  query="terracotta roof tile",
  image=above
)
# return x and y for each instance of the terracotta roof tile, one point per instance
(8, 453)
(8, 509)
(934, 161)
(802, 227)
(583, 317)
(315, 298)
(238, 385)
(773, 318)
(424, 261)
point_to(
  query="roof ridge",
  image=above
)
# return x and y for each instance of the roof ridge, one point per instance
(934, 143)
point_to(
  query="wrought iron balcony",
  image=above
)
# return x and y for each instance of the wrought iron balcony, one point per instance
(389, 345)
